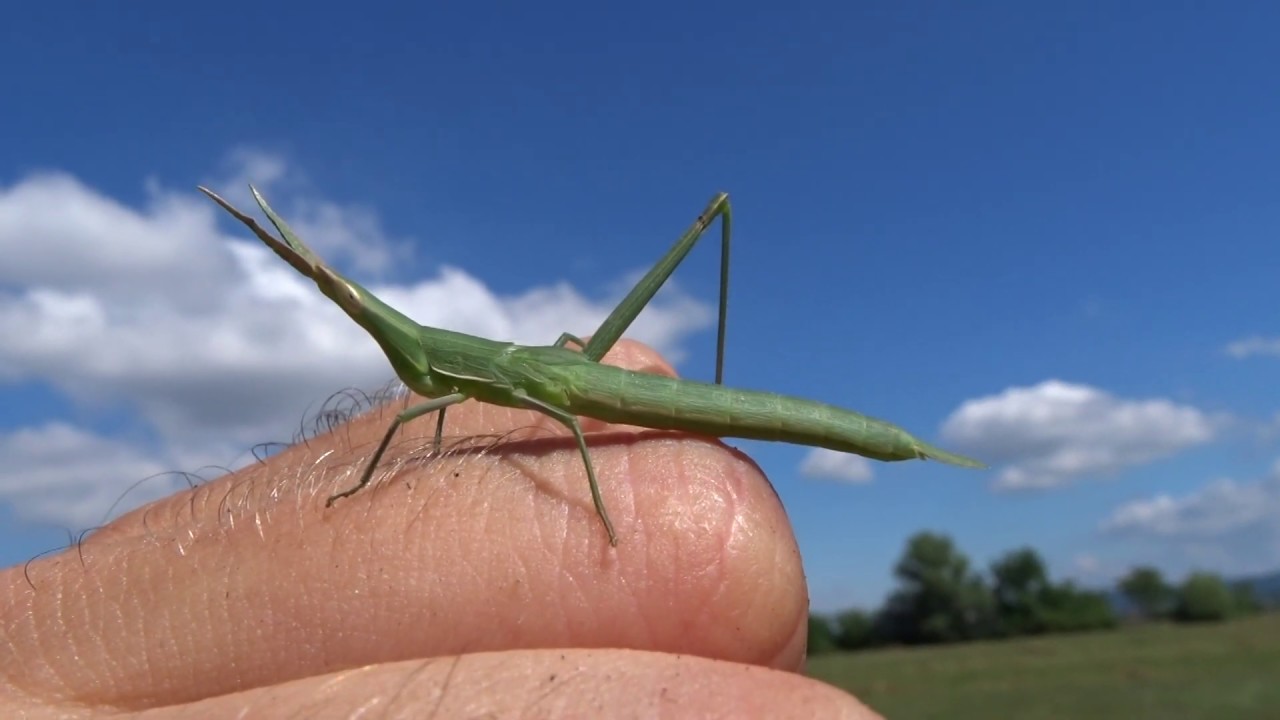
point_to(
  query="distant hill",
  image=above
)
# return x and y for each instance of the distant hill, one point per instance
(1265, 587)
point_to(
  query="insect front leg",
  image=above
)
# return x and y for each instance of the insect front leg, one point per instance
(568, 420)
(566, 338)
(405, 416)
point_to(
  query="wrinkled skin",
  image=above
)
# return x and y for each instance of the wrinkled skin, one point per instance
(479, 583)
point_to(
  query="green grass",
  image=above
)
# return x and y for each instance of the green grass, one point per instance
(1218, 671)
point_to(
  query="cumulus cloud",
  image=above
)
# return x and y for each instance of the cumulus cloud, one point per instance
(1229, 524)
(831, 465)
(345, 234)
(60, 474)
(1255, 345)
(1084, 565)
(1222, 507)
(1055, 432)
(209, 338)
(57, 234)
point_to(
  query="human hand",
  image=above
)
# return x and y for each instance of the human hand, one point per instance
(480, 583)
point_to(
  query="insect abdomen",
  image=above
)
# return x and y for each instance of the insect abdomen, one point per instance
(617, 395)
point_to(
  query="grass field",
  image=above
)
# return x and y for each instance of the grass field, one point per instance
(1219, 671)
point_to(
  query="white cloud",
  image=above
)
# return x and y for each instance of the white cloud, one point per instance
(1222, 507)
(58, 234)
(1054, 432)
(211, 339)
(1254, 346)
(1229, 525)
(344, 235)
(64, 475)
(1085, 565)
(832, 465)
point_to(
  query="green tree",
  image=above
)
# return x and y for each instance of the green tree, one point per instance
(938, 598)
(1066, 608)
(1028, 603)
(1146, 588)
(820, 638)
(854, 630)
(1245, 599)
(1204, 597)
(1020, 586)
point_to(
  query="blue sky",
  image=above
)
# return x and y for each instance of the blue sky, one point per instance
(1048, 237)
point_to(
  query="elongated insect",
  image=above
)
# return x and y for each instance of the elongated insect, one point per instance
(449, 367)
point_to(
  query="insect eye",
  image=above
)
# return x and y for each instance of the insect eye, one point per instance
(341, 291)
(352, 295)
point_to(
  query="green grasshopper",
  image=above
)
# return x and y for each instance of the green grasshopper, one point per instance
(449, 367)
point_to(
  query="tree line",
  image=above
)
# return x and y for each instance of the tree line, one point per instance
(941, 598)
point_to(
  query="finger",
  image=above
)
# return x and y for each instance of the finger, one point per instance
(559, 683)
(552, 683)
(248, 581)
